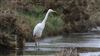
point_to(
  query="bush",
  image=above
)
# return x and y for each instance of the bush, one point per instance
(13, 24)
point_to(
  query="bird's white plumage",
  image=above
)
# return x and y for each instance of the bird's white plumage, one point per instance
(38, 30)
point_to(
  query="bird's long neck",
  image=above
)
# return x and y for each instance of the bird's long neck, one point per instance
(45, 19)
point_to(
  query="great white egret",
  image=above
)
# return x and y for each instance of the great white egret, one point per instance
(38, 29)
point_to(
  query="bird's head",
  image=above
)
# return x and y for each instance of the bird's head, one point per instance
(50, 10)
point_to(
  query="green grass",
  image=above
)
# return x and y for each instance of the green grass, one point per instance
(53, 24)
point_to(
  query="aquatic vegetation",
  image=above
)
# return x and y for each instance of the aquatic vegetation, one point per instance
(68, 52)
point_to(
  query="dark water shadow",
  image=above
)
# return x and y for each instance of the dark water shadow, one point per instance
(9, 52)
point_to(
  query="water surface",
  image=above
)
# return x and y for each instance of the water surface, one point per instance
(52, 45)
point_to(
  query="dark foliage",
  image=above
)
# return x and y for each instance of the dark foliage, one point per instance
(11, 26)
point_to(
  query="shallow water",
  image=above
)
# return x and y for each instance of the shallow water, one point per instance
(52, 45)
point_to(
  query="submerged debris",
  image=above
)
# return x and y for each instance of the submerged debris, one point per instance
(68, 52)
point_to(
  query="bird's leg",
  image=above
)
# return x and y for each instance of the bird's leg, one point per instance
(35, 41)
(36, 44)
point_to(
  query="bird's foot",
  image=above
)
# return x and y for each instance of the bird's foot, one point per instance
(38, 49)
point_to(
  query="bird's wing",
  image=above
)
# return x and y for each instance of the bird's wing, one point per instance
(38, 29)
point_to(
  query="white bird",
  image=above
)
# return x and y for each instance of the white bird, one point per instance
(38, 29)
